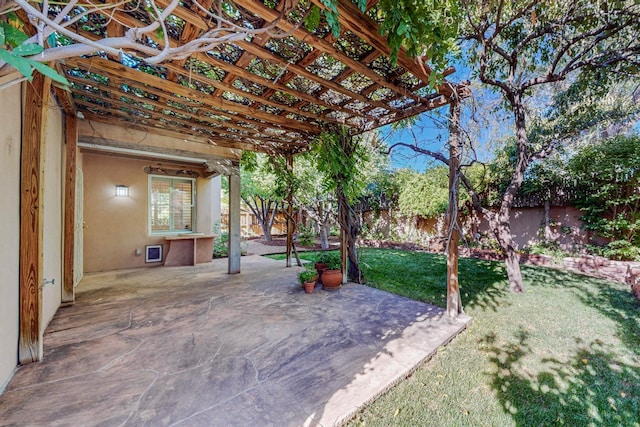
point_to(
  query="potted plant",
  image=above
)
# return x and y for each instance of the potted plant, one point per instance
(308, 278)
(320, 264)
(332, 276)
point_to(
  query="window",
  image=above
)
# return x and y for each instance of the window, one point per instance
(171, 205)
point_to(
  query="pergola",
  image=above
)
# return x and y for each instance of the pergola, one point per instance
(242, 74)
(272, 91)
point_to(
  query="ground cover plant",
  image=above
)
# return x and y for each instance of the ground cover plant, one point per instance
(565, 352)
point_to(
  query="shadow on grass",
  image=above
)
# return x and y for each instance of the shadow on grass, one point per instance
(612, 300)
(592, 388)
(422, 276)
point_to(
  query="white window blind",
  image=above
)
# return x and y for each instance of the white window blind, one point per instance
(171, 205)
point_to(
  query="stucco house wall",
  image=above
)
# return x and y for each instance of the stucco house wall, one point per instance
(10, 137)
(117, 227)
(52, 226)
(52, 205)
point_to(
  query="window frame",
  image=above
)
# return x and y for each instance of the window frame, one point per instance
(171, 223)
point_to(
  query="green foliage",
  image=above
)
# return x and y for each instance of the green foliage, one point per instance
(562, 353)
(339, 160)
(618, 249)
(607, 188)
(16, 52)
(332, 259)
(306, 236)
(259, 179)
(427, 194)
(307, 275)
(421, 27)
(548, 248)
(221, 246)
(429, 26)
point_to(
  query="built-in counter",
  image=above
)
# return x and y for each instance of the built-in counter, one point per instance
(189, 249)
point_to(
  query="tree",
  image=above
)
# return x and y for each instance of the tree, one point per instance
(339, 155)
(607, 190)
(520, 45)
(262, 191)
(311, 196)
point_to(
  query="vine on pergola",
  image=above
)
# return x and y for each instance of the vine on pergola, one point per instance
(56, 29)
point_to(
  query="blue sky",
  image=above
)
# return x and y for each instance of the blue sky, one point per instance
(431, 131)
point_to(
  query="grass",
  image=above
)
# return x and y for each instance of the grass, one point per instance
(566, 352)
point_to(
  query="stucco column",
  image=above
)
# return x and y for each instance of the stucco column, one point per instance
(204, 205)
(234, 224)
(216, 210)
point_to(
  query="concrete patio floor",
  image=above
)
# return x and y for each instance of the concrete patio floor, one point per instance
(194, 346)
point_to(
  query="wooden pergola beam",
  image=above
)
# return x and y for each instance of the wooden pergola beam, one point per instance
(69, 244)
(290, 223)
(31, 218)
(113, 68)
(454, 304)
(261, 10)
(158, 116)
(217, 142)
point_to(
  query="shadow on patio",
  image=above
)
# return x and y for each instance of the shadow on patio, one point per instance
(195, 346)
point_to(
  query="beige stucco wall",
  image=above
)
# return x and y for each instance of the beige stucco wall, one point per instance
(53, 215)
(525, 226)
(115, 226)
(526, 223)
(9, 229)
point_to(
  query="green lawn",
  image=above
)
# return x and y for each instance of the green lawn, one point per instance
(566, 352)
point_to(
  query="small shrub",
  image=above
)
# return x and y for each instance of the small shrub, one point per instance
(306, 276)
(306, 236)
(333, 260)
(621, 250)
(221, 246)
(547, 248)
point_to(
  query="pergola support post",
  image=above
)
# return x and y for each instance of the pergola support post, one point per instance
(454, 303)
(344, 261)
(290, 223)
(31, 218)
(234, 224)
(71, 147)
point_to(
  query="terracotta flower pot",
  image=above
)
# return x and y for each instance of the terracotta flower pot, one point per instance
(331, 280)
(320, 267)
(309, 286)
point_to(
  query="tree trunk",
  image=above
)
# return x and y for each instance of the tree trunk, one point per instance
(266, 231)
(270, 216)
(324, 235)
(547, 221)
(502, 231)
(323, 225)
(261, 212)
(502, 227)
(351, 227)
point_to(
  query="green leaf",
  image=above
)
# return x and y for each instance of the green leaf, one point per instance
(49, 72)
(1, 36)
(13, 36)
(28, 49)
(332, 21)
(21, 64)
(312, 20)
(402, 28)
(52, 40)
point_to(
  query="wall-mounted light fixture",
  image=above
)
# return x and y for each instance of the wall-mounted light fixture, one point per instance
(122, 191)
